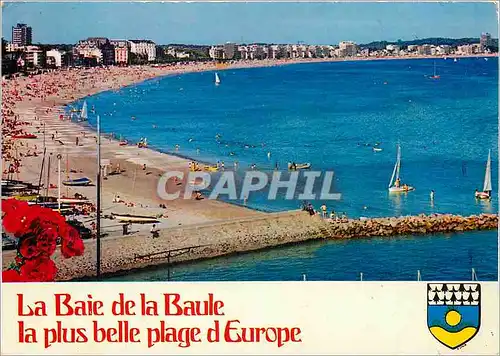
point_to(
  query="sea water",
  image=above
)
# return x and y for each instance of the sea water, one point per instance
(332, 115)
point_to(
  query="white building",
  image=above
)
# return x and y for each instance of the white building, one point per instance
(13, 47)
(216, 52)
(392, 48)
(55, 56)
(144, 47)
(33, 56)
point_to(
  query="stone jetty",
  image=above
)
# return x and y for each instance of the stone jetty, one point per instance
(194, 242)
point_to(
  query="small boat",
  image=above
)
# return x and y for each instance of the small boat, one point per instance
(217, 79)
(123, 143)
(140, 219)
(78, 182)
(395, 185)
(26, 197)
(65, 200)
(377, 149)
(455, 60)
(294, 167)
(25, 136)
(486, 193)
(83, 113)
(435, 76)
(210, 168)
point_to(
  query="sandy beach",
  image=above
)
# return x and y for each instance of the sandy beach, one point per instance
(35, 105)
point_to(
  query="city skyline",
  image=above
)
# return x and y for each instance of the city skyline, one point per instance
(234, 22)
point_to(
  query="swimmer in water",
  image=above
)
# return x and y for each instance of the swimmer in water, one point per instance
(268, 155)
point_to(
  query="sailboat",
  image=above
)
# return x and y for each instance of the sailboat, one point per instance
(435, 76)
(217, 79)
(486, 193)
(83, 113)
(395, 185)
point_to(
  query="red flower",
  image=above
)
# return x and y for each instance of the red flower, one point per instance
(38, 230)
(39, 270)
(28, 247)
(46, 238)
(72, 244)
(11, 275)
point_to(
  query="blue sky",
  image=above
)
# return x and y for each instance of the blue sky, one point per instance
(210, 23)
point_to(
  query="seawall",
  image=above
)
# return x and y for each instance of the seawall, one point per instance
(209, 240)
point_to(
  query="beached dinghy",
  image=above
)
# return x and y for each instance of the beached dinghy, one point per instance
(78, 182)
(486, 193)
(65, 200)
(25, 136)
(395, 185)
(139, 219)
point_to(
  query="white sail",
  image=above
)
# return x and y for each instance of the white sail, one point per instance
(487, 175)
(395, 172)
(83, 113)
(217, 79)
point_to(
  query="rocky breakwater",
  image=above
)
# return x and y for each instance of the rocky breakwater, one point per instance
(208, 240)
(410, 225)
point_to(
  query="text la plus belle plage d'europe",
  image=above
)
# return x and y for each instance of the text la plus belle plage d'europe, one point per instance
(172, 304)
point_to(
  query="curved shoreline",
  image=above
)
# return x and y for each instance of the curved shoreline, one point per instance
(227, 228)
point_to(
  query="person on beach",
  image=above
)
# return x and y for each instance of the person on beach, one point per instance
(332, 215)
(323, 211)
(310, 209)
(144, 167)
(77, 141)
(154, 232)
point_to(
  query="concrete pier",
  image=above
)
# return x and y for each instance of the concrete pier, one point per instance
(209, 240)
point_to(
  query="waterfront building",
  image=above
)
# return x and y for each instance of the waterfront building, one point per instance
(143, 47)
(485, 40)
(257, 52)
(392, 48)
(89, 50)
(33, 56)
(54, 58)
(443, 49)
(22, 35)
(243, 52)
(216, 52)
(13, 47)
(412, 48)
(348, 49)
(121, 50)
(424, 50)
